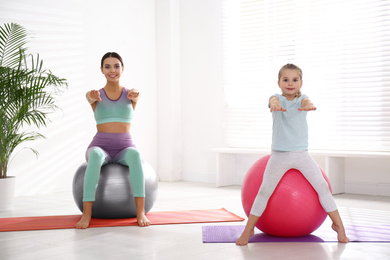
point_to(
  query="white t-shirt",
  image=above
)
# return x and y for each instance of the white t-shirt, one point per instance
(290, 130)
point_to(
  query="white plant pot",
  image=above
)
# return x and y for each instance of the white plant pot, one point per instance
(7, 191)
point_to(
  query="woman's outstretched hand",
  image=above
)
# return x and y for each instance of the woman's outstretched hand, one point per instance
(95, 94)
(133, 94)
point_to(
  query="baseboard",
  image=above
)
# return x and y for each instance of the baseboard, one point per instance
(199, 177)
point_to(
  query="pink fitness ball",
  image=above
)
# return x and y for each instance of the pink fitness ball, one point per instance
(293, 210)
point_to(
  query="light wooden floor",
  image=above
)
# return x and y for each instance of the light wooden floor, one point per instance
(180, 241)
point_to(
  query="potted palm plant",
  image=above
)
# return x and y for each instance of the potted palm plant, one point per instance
(27, 94)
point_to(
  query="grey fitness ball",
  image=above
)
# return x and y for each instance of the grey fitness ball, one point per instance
(114, 196)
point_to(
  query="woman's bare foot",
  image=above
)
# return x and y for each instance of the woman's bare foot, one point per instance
(87, 214)
(341, 236)
(84, 222)
(244, 238)
(142, 220)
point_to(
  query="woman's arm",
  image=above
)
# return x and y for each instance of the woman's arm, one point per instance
(133, 95)
(92, 96)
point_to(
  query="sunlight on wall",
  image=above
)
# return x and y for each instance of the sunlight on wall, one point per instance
(56, 33)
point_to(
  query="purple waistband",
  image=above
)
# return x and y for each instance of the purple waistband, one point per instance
(112, 135)
(112, 143)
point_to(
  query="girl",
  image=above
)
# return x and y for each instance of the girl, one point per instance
(113, 107)
(289, 150)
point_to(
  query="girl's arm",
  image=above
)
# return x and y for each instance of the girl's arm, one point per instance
(275, 105)
(307, 105)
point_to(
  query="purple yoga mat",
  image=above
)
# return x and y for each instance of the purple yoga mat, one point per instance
(355, 233)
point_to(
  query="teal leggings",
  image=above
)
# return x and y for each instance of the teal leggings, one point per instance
(97, 157)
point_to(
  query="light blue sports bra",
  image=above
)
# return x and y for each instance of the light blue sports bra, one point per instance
(108, 110)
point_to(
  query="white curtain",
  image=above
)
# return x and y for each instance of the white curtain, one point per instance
(343, 48)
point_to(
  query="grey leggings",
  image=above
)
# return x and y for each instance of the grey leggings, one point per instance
(281, 162)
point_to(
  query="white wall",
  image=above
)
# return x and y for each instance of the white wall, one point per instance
(71, 37)
(201, 86)
(190, 89)
(169, 89)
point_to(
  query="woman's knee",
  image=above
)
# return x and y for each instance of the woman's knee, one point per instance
(131, 155)
(133, 152)
(96, 154)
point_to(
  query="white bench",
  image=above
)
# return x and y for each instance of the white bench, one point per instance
(334, 163)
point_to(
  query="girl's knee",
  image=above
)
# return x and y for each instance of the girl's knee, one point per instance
(265, 192)
(324, 187)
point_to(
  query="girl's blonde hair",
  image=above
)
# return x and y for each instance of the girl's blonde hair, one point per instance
(290, 66)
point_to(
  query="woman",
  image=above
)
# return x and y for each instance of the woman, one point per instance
(113, 108)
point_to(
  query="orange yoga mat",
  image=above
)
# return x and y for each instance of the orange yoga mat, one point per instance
(156, 218)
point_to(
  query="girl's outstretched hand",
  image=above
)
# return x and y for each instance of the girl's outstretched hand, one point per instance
(275, 105)
(309, 107)
(133, 94)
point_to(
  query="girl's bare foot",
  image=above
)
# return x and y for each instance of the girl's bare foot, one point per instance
(84, 222)
(338, 226)
(248, 231)
(142, 220)
(244, 238)
(341, 236)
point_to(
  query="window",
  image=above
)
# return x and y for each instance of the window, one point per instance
(342, 48)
